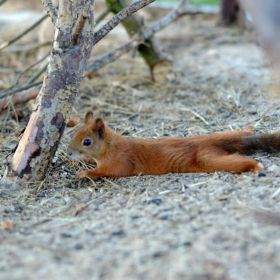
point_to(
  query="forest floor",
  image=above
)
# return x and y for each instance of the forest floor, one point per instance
(176, 226)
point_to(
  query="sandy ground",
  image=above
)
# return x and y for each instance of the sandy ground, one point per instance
(177, 226)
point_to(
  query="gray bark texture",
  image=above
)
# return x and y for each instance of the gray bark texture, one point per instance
(71, 48)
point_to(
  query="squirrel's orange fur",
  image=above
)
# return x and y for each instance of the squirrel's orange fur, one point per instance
(119, 156)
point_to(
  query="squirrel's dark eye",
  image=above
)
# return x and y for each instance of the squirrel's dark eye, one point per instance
(87, 142)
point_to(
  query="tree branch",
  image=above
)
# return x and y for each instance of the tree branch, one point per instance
(37, 74)
(22, 88)
(27, 69)
(111, 56)
(19, 98)
(108, 57)
(115, 20)
(139, 37)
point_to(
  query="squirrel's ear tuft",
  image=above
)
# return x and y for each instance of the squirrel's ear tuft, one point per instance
(88, 116)
(99, 127)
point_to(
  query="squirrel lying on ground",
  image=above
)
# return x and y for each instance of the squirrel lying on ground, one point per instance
(119, 156)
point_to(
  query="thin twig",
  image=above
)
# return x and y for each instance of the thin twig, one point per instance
(7, 44)
(111, 183)
(37, 74)
(19, 89)
(115, 20)
(31, 81)
(108, 57)
(27, 47)
(179, 11)
(28, 68)
(199, 116)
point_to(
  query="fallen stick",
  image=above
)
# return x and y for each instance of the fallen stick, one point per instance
(19, 98)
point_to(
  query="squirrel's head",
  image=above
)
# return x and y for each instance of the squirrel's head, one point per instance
(88, 143)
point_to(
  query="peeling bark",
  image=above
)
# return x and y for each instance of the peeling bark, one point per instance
(71, 48)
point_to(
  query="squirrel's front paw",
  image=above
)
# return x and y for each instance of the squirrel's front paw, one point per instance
(82, 174)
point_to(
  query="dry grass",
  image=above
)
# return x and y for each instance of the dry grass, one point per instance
(187, 226)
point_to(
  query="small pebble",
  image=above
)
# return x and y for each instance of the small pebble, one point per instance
(118, 233)
(65, 235)
(261, 174)
(157, 255)
(41, 194)
(135, 217)
(133, 117)
(156, 201)
(126, 132)
(164, 217)
(187, 244)
(78, 247)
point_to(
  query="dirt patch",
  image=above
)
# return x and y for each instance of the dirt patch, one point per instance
(186, 226)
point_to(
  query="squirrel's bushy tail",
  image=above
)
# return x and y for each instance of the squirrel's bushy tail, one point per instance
(250, 144)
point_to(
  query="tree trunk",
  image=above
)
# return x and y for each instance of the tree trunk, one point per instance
(149, 49)
(71, 48)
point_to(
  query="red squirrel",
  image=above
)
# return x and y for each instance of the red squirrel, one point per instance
(119, 156)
